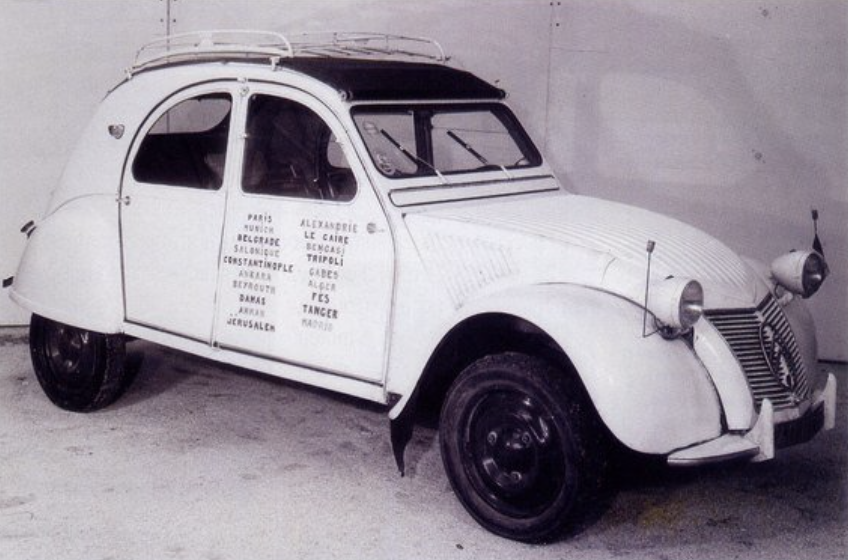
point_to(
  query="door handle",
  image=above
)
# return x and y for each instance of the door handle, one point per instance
(372, 227)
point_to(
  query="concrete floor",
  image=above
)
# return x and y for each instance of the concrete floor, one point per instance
(199, 461)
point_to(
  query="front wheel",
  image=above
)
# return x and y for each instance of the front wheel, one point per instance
(79, 370)
(514, 436)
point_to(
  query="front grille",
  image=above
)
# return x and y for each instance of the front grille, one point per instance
(763, 342)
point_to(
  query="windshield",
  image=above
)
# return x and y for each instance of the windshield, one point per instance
(421, 140)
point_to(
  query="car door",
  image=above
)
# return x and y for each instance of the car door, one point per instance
(172, 212)
(307, 261)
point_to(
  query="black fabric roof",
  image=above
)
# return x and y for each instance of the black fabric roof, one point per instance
(381, 80)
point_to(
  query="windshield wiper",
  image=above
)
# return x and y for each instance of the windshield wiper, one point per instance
(470, 149)
(411, 156)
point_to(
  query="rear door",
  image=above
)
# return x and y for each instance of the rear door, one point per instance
(172, 215)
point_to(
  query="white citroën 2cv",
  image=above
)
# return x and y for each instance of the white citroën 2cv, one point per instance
(347, 210)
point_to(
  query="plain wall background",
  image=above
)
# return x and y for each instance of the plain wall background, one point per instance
(728, 114)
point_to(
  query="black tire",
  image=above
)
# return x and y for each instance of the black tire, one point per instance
(79, 370)
(515, 437)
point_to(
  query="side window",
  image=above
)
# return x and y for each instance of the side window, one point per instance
(187, 145)
(290, 151)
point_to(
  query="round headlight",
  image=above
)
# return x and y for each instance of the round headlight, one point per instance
(815, 271)
(677, 302)
(800, 272)
(691, 304)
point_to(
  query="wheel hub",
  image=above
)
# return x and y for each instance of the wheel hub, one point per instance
(515, 460)
(67, 348)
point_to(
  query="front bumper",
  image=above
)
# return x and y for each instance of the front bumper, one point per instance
(760, 443)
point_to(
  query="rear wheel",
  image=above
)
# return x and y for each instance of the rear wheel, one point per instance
(514, 437)
(79, 370)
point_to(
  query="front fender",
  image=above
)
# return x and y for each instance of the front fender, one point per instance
(653, 394)
(70, 270)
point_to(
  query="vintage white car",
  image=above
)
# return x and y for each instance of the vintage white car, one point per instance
(351, 212)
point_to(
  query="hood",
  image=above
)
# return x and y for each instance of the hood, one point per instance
(574, 239)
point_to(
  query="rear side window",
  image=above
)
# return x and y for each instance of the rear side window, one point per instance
(187, 146)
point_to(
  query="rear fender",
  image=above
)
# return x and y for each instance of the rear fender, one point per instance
(70, 270)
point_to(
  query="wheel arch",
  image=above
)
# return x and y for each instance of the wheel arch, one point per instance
(478, 336)
(473, 338)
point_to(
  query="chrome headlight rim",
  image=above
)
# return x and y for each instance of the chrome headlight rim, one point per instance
(677, 304)
(815, 270)
(691, 306)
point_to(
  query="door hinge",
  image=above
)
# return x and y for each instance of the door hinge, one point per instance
(125, 200)
(28, 228)
(244, 90)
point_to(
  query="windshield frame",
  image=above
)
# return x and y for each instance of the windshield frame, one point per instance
(420, 152)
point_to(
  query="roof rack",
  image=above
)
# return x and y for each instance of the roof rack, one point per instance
(242, 43)
(354, 44)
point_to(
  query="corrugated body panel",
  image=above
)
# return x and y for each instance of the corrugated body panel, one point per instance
(465, 265)
(620, 230)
